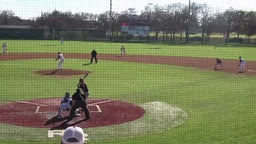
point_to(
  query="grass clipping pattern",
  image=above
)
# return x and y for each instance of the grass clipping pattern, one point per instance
(159, 117)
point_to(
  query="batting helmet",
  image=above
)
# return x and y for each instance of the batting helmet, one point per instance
(81, 80)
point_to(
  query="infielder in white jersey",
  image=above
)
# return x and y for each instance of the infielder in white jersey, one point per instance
(241, 65)
(4, 47)
(62, 59)
(122, 49)
(66, 104)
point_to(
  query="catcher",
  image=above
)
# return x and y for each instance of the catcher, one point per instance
(66, 104)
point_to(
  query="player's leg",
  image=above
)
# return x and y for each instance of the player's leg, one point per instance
(60, 65)
(91, 59)
(243, 67)
(215, 66)
(73, 111)
(86, 95)
(62, 107)
(59, 111)
(86, 111)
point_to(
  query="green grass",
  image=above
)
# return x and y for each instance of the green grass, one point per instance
(219, 106)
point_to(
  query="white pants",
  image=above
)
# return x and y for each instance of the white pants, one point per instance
(60, 64)
(242, 67)
(4, 50)
(64, 106)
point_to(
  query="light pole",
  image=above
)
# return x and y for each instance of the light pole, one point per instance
(187, 23)
(150, 17)
(110, 21)
(150, 4)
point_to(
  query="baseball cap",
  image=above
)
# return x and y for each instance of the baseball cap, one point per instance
(73, 135)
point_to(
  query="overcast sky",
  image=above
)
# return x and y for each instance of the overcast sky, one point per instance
(27, 9)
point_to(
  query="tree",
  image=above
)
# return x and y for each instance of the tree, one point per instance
(175, 20)
(238, 22)
(250, 24)
(5, 16)
(205, 20)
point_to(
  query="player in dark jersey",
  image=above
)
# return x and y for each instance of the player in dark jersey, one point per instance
(218, 63)
(82, 85)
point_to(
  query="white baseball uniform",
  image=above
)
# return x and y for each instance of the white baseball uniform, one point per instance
(62, 59)
(4, 47)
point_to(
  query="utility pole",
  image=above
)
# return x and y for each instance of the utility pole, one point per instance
(110, 21)
(150, 14)
(187, 23)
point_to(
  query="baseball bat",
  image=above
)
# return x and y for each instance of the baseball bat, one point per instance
(85, 76)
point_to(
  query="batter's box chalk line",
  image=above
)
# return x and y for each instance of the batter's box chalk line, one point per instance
(98, 109)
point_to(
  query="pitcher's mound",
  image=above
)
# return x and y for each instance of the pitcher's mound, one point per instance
(63, 72)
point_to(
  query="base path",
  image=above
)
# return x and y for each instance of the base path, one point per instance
(230, 66)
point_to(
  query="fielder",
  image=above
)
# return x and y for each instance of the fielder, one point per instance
(4, 47)
(66, 104)
(61, 40)
(241, 65)
(218, 63)
(122, 50)
(62, 59)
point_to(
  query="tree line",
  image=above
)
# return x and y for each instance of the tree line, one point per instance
(171, 20)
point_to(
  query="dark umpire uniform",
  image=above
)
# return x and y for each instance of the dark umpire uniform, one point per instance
(94, 56)
(79, 101)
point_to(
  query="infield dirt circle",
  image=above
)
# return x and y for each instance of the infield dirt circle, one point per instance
(41, 113)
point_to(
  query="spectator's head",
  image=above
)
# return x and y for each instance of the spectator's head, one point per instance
(73, 135)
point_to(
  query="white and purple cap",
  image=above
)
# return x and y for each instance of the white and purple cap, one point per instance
(73, 135)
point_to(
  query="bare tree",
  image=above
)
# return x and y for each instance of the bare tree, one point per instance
(205, 20)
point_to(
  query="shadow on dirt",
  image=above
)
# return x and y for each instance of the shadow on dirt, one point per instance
(64, 124)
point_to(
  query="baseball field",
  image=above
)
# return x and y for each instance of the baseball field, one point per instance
(156, 93)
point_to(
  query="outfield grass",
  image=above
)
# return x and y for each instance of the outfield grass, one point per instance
(219, 107)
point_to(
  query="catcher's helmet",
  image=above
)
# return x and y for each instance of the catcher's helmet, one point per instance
(67, 94)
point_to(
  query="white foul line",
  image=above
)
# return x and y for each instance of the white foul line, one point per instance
(37, 109)
(100, 102)
(39, 105)
(32, 103)
(98, 107)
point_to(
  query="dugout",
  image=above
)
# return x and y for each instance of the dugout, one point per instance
(21, 32)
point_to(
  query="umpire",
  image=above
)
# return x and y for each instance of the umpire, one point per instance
(79, 101)
(94, 56)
